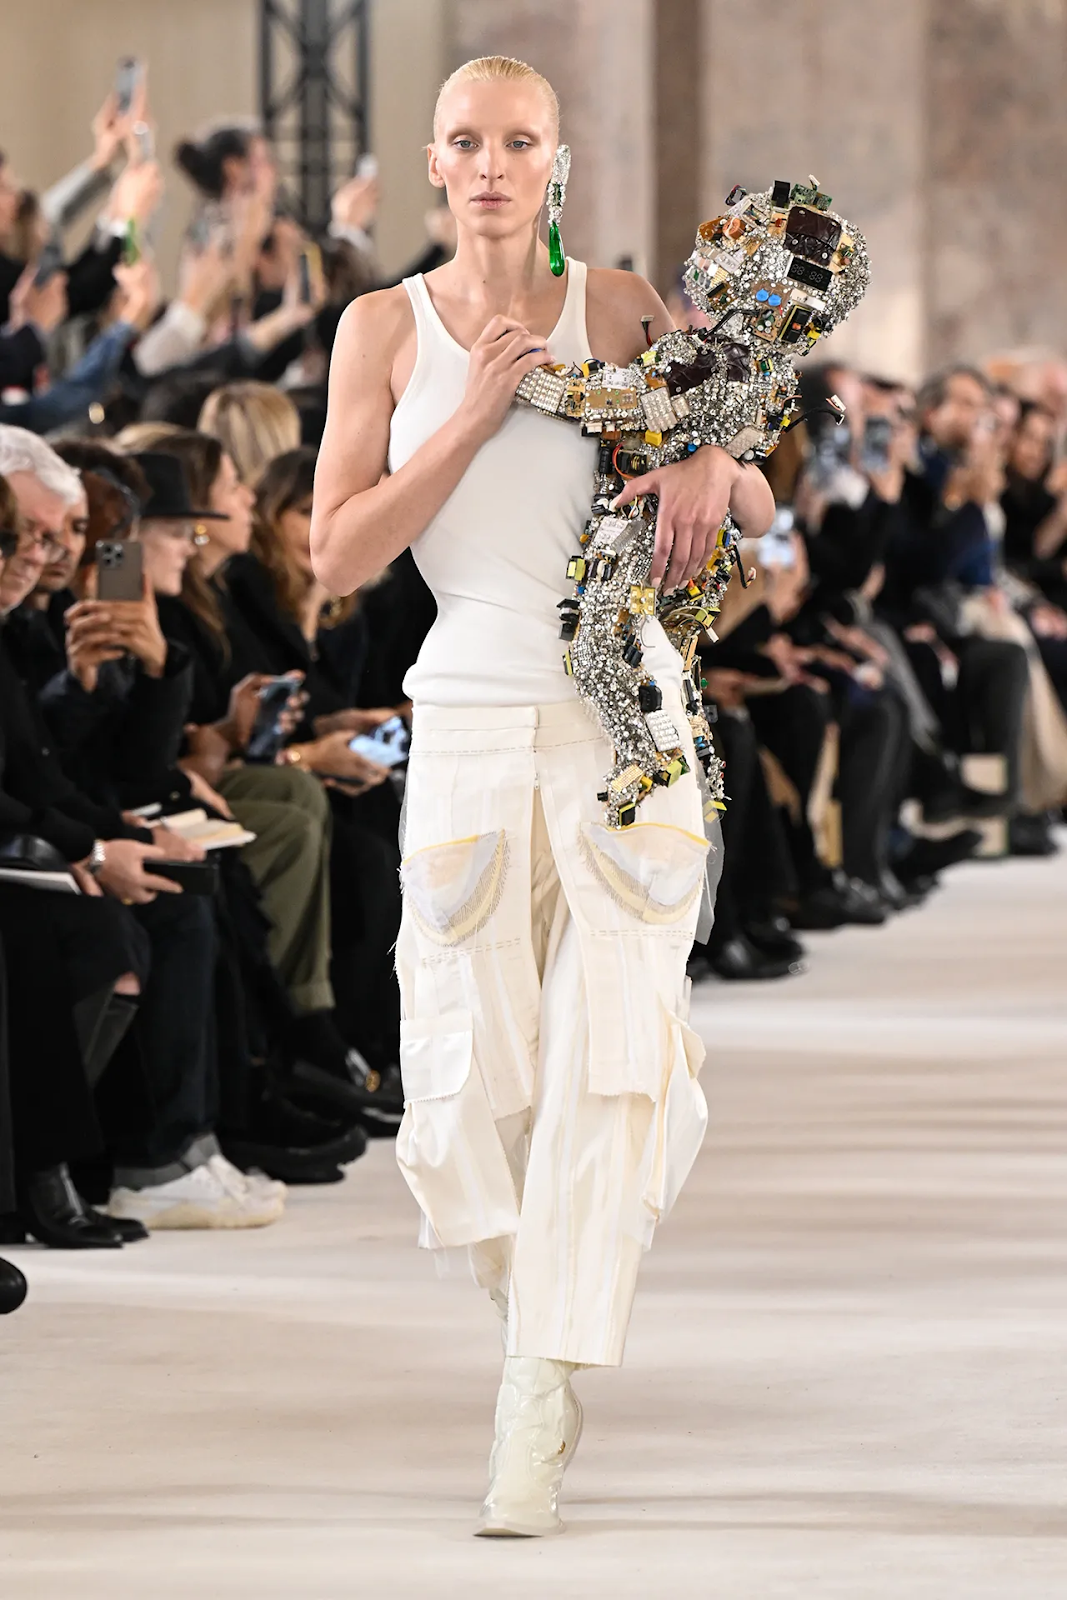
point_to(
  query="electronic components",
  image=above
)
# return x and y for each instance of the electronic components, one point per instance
(776, 271)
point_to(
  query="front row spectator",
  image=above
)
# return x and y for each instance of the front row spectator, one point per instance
(168, 1169)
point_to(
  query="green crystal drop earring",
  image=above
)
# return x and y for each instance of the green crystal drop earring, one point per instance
(557, 194)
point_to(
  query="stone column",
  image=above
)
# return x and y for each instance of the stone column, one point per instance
(677, 133)
(597, 54)
(793, 87)
(997, 271)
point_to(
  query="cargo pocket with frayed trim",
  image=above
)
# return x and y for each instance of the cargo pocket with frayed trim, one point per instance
(652, 870)
(448, 1147)
(454, 888)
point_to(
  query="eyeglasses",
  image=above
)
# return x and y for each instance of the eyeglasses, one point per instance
(32, 538)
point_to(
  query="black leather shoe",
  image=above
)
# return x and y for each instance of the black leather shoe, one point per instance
(863, 905)
(774, 937)
(1029, 834)
(356, 1087)
(819, 911)
(55, 1213)
(894, 894)
(291, 1166)
(12, 1287)
(739, 961)
(927, 857)
(129, 1230)
(276, 1120)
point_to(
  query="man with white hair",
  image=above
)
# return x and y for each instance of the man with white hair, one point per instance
(174, 1175)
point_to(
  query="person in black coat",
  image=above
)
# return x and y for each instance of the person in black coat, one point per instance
(362, 810)
(167, 1176)
(76, 966)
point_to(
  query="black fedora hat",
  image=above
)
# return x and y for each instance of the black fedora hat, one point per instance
(168, 498)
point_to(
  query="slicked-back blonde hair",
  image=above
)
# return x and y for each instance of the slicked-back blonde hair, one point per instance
(498, 69)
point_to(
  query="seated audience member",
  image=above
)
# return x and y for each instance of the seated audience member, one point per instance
(280, 619)
(12, 1282)
(948, 569)
(299, 844)
(254, 423)
(71, 973)
(173, 1174)
(119, 727)
(1035, 505)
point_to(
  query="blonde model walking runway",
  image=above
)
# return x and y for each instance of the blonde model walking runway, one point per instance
(552, 1103)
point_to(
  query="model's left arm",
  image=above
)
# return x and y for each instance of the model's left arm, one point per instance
(694, 495)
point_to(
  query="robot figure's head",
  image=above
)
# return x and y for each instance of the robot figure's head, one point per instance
(778, 267)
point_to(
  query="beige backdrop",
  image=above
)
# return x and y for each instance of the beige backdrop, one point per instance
(939, 126)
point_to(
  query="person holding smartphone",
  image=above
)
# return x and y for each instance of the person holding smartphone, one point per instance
(173, 1173)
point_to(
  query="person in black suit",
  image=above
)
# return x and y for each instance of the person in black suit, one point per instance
(174, 1175)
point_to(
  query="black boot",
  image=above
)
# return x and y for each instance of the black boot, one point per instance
(55, 1213)
(12, 1287)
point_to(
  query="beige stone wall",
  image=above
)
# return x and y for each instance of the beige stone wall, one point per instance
(409, 60)
(997, 175)
(793, 87)
(597, 54)
(57, 63)
(939, 126)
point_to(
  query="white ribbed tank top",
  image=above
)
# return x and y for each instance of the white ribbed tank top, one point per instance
(495, 555)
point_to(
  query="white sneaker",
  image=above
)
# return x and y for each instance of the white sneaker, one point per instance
(538, 1424)
(234, 1181)
(197, 1199)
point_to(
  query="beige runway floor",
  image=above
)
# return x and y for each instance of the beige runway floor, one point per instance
(847, 1368)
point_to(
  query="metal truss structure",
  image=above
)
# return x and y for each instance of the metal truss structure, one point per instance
(314, 73)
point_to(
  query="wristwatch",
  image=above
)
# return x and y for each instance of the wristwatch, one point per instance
(97, 859)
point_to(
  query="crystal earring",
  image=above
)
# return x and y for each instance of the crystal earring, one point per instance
(557, 194)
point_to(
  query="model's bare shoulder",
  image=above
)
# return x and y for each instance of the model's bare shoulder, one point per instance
(374, 325)
(615, 303)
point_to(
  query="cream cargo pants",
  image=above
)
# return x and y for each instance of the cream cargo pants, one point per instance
(552, 1109)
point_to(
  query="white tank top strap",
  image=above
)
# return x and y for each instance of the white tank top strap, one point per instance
(570, 337)
(426, 319)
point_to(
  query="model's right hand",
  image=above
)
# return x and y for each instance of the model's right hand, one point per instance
(501, 356)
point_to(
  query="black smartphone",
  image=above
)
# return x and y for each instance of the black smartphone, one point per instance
(127, 77)
(119, 569)
(195, 877)
(310, 260)
(49, 262)
(267, 737)
(874, 446)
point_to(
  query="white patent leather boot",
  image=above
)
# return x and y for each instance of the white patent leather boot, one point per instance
(538, 1425)
(573, 1418)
